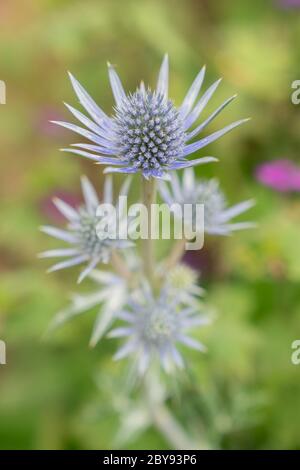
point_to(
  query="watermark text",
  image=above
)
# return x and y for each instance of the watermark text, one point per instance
(140, 222)
(295, 357)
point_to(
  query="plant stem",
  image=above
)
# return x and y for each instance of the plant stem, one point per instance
(148, 252)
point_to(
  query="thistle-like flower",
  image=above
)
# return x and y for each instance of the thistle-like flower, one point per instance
(217, 214)
(155, 325)
(146, 133)
(83, 233)
(183, 281)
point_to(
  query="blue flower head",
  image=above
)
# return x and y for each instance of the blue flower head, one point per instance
(146, 133)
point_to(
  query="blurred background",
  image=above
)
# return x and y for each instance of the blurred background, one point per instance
(56, 392)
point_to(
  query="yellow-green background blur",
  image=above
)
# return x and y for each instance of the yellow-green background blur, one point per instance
(57, 393)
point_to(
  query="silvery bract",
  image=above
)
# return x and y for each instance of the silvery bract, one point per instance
(154, 326)
(217, 214)
(82, 230)
(146, 132)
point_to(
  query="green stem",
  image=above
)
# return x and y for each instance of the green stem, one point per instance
(148, 252)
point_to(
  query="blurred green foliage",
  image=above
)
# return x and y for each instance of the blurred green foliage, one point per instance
(55, 391)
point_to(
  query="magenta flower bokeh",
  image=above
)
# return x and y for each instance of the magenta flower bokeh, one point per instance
(281, 175)
(42, 121)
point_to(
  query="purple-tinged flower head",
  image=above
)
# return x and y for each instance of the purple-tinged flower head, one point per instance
(88, 246)
(281, 175)
(146, 133)
(217, 214)
(149, 132)
(155, 326)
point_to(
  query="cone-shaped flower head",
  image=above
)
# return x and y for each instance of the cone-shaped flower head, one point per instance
(146, 132)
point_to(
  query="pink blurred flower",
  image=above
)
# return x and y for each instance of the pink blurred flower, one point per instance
(48, 208)
(281, 175)
(42, 121)
(288, 3)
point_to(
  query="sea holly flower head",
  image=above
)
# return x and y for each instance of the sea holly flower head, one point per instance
(155, 326)
(217, 214)
(146, 132)
(110, 296)
(82, 231)
(280, 175)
